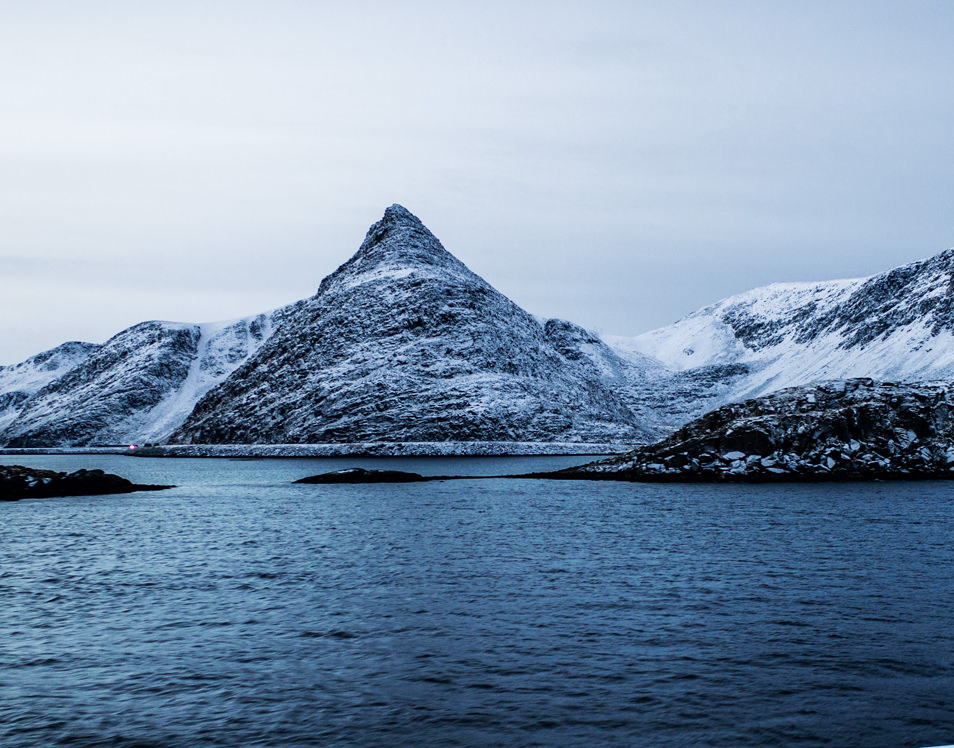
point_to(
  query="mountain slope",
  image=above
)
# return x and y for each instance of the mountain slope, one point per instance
(896, 326)
(404, 343)
(18, 383)
(137, 386)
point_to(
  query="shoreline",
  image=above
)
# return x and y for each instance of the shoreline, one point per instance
(354, 449)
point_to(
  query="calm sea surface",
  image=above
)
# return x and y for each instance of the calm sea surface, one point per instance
(240, 610)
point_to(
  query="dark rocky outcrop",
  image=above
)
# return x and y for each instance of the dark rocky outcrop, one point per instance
(849, 430)
(18, 482)
(360, 475)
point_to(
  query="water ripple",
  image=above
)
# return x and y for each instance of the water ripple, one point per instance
(239, 610)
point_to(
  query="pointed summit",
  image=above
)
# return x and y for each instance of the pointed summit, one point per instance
(395, 247)
(397, 213)
(403, 344)
(400, 231)
(395, 217)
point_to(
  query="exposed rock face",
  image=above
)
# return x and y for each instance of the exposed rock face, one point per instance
(849, 430)
(18, 482)
(404, 343)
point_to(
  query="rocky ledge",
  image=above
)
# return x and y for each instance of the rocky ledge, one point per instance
(855, 429)
(18, 482)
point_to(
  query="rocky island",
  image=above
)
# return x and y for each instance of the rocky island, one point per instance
(361, 475)
(19, 482)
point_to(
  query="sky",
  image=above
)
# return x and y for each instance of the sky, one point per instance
(617, 164)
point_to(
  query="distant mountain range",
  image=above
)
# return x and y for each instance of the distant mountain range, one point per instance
(404, 344)
(898, 325)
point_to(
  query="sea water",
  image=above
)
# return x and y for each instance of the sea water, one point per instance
(239, 609)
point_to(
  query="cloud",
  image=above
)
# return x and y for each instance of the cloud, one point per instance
(228, 150)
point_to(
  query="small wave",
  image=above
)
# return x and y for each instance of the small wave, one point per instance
(38, 662)
(335, 634)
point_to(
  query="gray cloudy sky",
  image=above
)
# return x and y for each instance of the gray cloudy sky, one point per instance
(618, 164)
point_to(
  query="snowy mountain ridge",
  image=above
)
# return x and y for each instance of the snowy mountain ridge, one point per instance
(137, 386)
(894, 326)
(21, 381)
(709, 336)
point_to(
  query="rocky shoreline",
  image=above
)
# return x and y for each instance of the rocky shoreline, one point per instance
(382, 449)
(850, 430)
(19, 482)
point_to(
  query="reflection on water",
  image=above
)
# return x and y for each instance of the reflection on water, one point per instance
(239, 609)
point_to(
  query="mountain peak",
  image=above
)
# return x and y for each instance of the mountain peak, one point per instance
(398, 213)
(394, 246)
(399, 229)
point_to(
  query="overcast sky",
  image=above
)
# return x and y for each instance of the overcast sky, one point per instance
(618, 164)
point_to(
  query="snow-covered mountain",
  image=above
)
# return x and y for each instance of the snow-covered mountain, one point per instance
(404, 343)
(18, 383)
(895, 326)
(138, 386)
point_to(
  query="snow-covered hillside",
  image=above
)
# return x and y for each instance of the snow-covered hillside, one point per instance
(895, 326)
(21, 381)
(138, 386)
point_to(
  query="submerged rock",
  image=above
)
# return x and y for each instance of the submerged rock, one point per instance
(18, 482)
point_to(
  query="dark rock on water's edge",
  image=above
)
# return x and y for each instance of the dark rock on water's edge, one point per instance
(360, 475)
(851, 430)
(19, 482)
